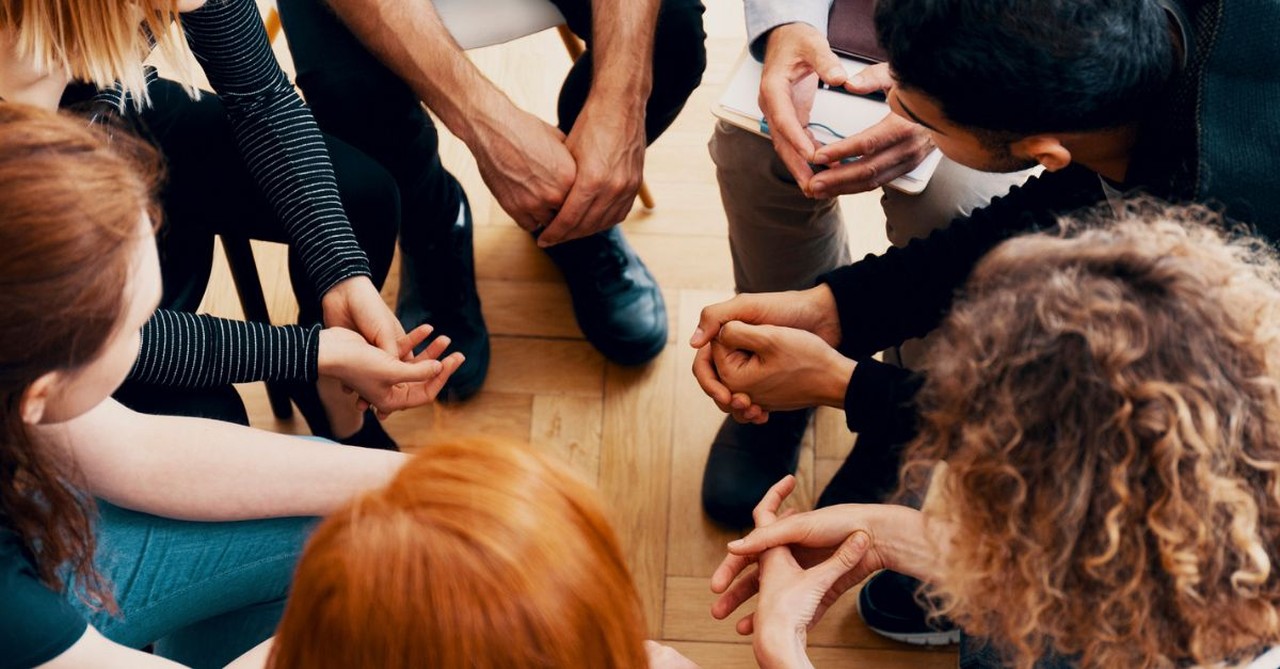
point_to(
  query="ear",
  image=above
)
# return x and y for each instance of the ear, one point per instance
(36, 398)
(1044, 149)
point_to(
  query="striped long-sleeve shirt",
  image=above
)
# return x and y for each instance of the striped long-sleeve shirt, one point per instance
(285, 153)
(197, 351)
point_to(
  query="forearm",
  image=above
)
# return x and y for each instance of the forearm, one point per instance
(194, 469)
(199, 351)
(623, 36)
(279, 139)
(411, 40)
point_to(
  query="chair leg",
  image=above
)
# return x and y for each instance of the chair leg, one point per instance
(244, 273)
(574, 46)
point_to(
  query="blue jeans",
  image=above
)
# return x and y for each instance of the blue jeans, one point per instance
(203, 593)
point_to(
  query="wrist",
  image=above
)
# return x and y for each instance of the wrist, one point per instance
(822, 303)
(326, 356)
(779, 38)
(483, 115)
(836, 384)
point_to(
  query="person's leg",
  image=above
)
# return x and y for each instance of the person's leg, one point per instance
(218, 403)
(679, 58)
(355, 97)
(615, 298)
(203, 593)
(210, 191)
(779, 240)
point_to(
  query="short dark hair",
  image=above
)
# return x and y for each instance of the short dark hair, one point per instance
(1030, 66)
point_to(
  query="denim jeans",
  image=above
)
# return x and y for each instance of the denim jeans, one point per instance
(203, 593)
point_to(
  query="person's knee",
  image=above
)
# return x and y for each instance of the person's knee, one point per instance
(371, 199)
(680, 53)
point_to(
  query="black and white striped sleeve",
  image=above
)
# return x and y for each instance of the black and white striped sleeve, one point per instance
(200, 351)
(277, 134)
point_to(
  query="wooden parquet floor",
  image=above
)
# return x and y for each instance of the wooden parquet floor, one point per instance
(641, 434)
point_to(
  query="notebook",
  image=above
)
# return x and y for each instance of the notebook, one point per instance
(835, 114)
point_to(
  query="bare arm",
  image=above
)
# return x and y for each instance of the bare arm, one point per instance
(194, 469)
(608, 138)
(522, 159)
(96, 651)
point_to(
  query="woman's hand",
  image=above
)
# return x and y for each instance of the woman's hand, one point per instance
(811, 538)
(387, 382)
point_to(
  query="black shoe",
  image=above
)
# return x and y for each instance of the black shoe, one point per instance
(438, 286)
(615, 298)
(745, 461)
(888, 606)
(370, 434)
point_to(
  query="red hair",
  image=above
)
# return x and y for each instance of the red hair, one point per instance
(480, 555)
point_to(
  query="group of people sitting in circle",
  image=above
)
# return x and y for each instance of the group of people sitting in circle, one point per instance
(1078, 467)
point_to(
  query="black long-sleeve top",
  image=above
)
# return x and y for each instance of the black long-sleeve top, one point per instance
(884, 300)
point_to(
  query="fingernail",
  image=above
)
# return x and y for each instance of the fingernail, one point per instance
(820, 158)
(857, 79)
(860, 541)
(737, 543)
(697, 336)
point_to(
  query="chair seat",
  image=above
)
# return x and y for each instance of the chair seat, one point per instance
(480, 23)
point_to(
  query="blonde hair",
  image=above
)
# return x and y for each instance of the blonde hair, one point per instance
(104, 42)
(479, 555)
(1108, 404)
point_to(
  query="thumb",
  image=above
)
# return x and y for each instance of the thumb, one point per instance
(846, 559)
(739, 335)
(875, 78)
(827, 64)
(413, 372)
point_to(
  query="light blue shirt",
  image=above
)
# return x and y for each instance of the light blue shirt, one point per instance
(765, 15)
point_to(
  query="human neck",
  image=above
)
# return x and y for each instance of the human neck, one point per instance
(21, 81)
(1106, 152)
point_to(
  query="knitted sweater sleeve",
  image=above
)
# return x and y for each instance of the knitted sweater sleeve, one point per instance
(278, 136)
(199, 351)
(883, 300)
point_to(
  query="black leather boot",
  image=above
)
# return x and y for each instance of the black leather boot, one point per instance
(615, 298)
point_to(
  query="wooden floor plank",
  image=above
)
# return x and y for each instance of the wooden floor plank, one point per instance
(635, 467)
(570, 428)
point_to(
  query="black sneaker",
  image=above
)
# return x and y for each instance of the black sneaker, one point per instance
(615, 298)
(745, 461)
(438, 286)
(887, 604)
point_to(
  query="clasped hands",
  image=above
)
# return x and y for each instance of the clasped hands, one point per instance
(767, 352)
(364, 348)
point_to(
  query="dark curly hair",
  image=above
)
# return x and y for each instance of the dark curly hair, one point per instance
(1107, 403)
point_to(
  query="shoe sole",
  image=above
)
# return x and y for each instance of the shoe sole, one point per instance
(943, 638)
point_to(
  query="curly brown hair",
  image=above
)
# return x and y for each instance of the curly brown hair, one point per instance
(1107, 401)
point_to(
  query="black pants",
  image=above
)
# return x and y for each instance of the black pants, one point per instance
(358, 99)
(209, 191)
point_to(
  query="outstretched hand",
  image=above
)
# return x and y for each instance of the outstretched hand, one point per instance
(385, 381)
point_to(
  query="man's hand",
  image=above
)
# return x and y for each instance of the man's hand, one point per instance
(780, 368)
(525, 163)
(887, 150)
(388, 382)
(608, 145)
(796, 56)
(355, 304)
(813, 310)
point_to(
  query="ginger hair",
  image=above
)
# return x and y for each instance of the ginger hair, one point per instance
(479, 555)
